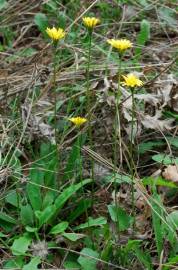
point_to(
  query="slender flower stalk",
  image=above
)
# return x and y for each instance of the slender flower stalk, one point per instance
(132, 82)
(90, 23)
(55, 34)
(121, 45)
(78, 122)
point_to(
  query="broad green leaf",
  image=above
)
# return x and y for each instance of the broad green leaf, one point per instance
(172, 218)
(157, 223)
(168, 15)
(118, 178)
(2, 235)
(41, 21)
(87, 259)
(12, 198)
(165, 159)
(15, 263)
(82, 206)
(120, 216)
(3, 4)
(159, 181)
(59, 228)
(33, 264)
(34, 194)
(34, 187)
(71, 265)
(73, 236)
(92, 222)
(68, 192)
(26, 214)
(173, 141)
(31, 229)
(144, 147)
(20, 245)
(71, 164)
(142, 37)
(143, 256)
(45, 215)
(7, 218)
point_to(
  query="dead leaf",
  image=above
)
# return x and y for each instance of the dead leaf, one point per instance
(171, 173)
(154, 122)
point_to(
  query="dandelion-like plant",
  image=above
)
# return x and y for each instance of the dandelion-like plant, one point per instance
(55, 33)
(131, 80)
(77, 121)
(90, 22)
(120, 44)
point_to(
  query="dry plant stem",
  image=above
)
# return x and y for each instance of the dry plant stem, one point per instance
(116, 129)
(90, 31)
(132, 165)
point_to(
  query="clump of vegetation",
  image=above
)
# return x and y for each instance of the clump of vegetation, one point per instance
(89, 110)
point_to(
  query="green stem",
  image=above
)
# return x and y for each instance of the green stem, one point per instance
(55, 95)
(89, 108)
(116, 128)
(132, 166)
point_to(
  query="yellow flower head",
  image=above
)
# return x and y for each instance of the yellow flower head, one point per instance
(55, 34)
(78, 121)
(120, 44)
(90, 22)
(131, 80)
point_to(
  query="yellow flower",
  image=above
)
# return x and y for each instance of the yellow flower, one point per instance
(78, 121)
(55, 34)
(131, 80)
(120, 44)
(90, 22)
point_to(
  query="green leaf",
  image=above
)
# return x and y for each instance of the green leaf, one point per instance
(3, 4)
(168, 15)
(2, 235)
(87, 259)
(68, 192)
(41, 21)
(172, 218)
(12, 198)
(157, 223)
(71, 164)
(165, 159)
(15, 263)
(7, 218)
(45, 215)
(59, 228)
(143, 256)
(20, 245)
(172, 261)
(71, 265)
(73, 236)
(173, 141)
(34, 187)
(118, 178)
(144, 147)
(31, 229)
(82, 206)
(92, 223)
(26, 214)
(32, 264)
(142, 37)
(159, 181)
(119, 215)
